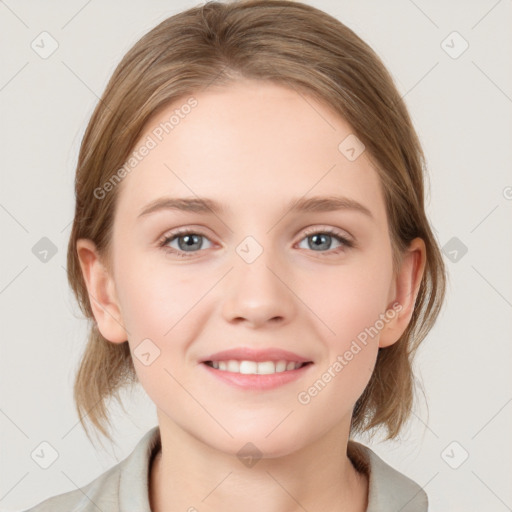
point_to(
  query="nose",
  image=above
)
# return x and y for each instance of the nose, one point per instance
(257, 293)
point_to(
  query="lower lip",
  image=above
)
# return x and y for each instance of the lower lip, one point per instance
(258, 382)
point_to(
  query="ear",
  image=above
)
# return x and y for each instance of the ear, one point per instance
(404, 292)
(101, 290)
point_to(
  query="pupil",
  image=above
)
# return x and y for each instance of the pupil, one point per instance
(318, 237)
(189, 241)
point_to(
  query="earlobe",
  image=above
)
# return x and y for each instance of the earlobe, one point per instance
(406, 287)
(101, 290)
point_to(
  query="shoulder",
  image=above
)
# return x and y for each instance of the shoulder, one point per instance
(389, 490)
(98, 494)
(122, 487)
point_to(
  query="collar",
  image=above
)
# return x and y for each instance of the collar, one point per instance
(389, 490)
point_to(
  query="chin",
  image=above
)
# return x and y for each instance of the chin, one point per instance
(254, 443)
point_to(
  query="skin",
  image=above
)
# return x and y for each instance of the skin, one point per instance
(252, 146)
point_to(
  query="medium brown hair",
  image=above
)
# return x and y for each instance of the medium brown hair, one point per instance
(299, 47)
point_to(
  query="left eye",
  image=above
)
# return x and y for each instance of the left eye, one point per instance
(323, 240)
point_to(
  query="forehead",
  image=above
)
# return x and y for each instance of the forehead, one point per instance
(250, 143)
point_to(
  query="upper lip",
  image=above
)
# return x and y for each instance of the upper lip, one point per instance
(250, 354)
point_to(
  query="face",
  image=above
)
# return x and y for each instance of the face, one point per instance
(252, 271)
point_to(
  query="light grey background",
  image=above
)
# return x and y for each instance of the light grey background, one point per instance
(462, 110)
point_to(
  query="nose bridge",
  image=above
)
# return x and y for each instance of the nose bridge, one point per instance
(256, 289)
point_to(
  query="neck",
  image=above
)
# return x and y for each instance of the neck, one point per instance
(188, 475)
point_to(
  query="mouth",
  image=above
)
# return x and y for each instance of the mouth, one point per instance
(249, 367)
(256, 376)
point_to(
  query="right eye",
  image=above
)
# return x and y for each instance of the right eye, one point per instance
(188, 241)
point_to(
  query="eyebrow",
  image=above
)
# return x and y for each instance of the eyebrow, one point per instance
(209, 206)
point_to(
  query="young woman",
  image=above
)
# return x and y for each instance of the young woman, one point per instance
(250, 244)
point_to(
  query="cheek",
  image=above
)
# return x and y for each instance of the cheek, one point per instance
(163, 310)
(157, 304)
(153, 297)
(349, 299)
(350, 342)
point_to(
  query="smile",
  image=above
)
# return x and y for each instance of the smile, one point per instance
(246, 367)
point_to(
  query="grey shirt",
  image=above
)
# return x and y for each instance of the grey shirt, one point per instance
(124, 487)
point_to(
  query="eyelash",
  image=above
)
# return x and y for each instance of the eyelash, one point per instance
(346, 243)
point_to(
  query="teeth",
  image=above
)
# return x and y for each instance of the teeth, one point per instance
(253, 367)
